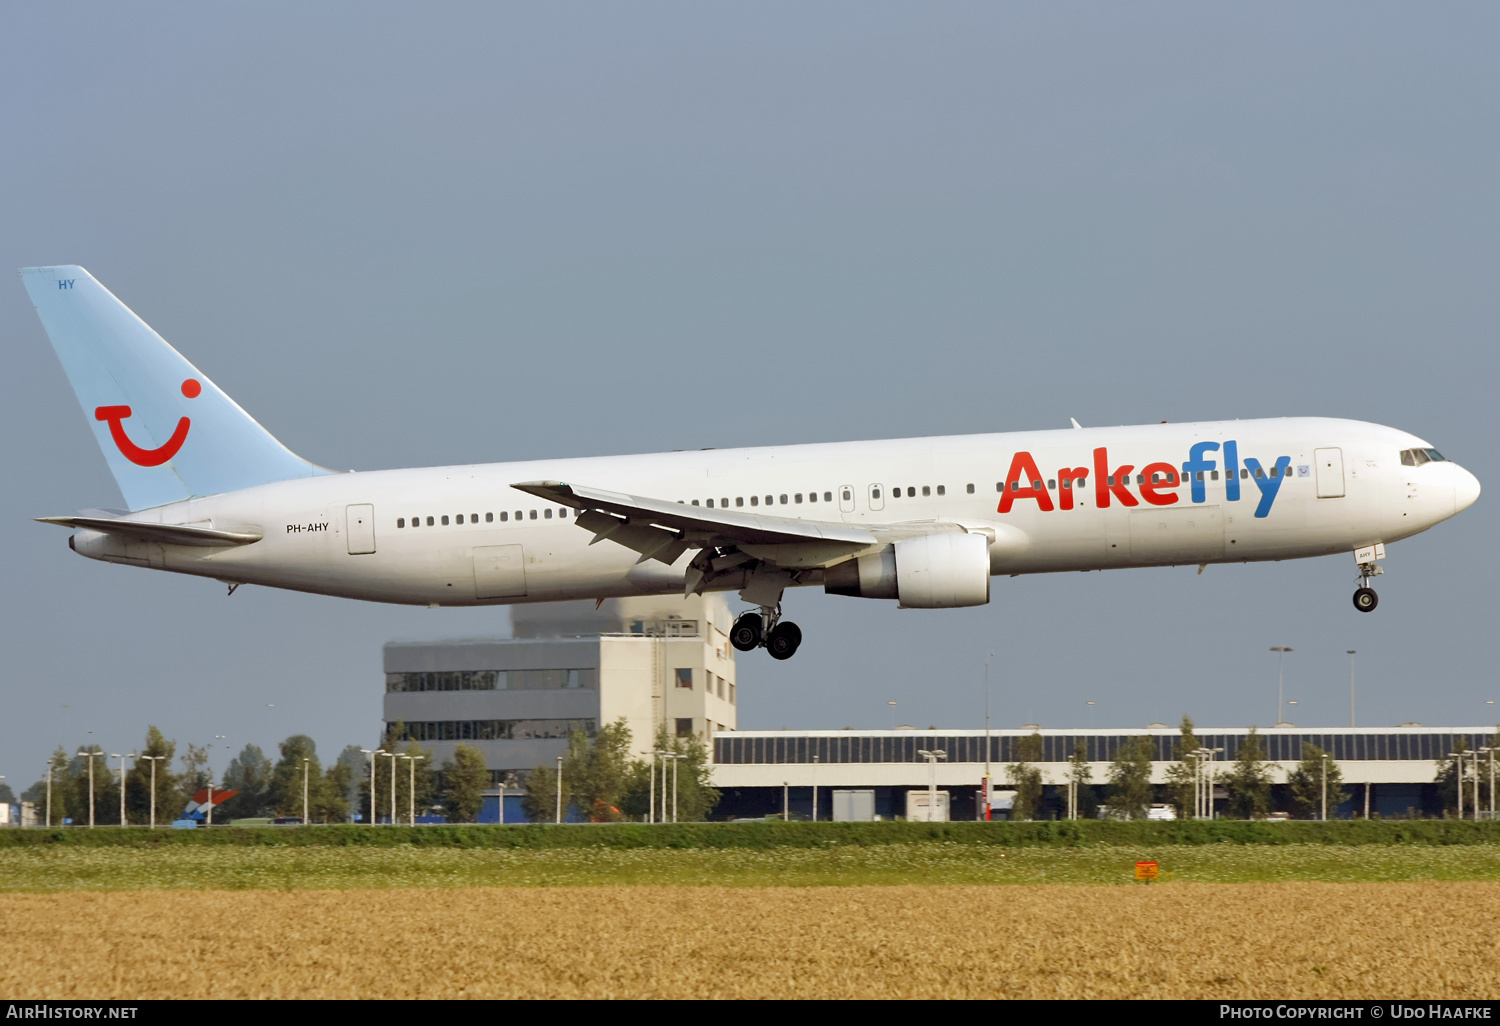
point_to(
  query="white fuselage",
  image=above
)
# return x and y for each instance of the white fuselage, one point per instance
(316, 530)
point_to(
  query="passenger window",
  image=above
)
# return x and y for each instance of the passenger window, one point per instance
(911, 493)
(1036, 486)
(783, 498)
(473, 518)
(429, 521)
(755, 500)
(1213, 475)
(518, 514)
(999, 486)
(710, 504)
(460, 518)
(848, 495)
(445, 520)
(504, 516)
(970, 489)
(1111, 481)
(927, 491)
(770, 501)
(547, 512)
(723, 503)
(489, 518)
(812, 496)
(533, 514)
(1140, 479)
(1259, 472)
(1051, 483)
(942, 490)
(563, 513)
(695, 502)
(400, 521)
(798, 498)
(739, 500)
(827, 496)
(874, 493)
(895, 493)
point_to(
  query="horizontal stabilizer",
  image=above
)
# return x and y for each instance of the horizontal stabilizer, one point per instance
(164, 534)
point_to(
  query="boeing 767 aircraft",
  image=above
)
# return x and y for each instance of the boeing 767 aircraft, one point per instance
(925, 521)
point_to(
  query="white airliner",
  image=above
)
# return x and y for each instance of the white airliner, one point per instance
(926, 521)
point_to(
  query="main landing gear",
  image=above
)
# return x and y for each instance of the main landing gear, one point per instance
(781, 638)
(1365, 599)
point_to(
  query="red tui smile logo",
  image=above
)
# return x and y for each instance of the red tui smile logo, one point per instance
(115, 415)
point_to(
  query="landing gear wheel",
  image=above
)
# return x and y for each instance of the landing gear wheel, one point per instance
(1365, 599)
(747, 632)
(783, 640)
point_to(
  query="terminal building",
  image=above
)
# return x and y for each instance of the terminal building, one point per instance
(1388, 771)
(661, 664)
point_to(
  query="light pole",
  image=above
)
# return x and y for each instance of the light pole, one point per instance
(786, 787)
(987, 782)
(49, 792)
(1090, 704)
(815, 788)
(892, 704)
(391, 756)
(1491, 751)
(411, 788)
(122, 758)
(1350, 652)
(676, 760)
(1458, 780)
(656, 754)
(1280, 651)
(558, 820)
(154, 759)
(372, 753)
(90, 756)
(932, 757)
(306, 765)
(1325, 787)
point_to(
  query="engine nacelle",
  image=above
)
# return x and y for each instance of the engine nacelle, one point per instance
(931, 571)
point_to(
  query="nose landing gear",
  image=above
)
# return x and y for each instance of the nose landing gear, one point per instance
(1365, 599)
(767, 630)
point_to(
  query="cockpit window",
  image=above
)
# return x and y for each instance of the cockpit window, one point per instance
(1417, 457)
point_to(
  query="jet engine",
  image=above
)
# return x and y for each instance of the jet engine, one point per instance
(930, 571)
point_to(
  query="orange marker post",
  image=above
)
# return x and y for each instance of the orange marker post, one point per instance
(1147, 871)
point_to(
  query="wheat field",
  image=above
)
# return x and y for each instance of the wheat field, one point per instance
(1177, 940)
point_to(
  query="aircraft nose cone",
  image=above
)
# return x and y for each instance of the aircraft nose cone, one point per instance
(1465, 490)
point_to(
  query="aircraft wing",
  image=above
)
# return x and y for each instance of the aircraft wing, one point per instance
(166, 534)
(664, 530)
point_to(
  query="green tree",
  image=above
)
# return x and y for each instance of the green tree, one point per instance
(1026, 777)
(138, 781)
(249, 773)
(1306, 783)
(106, 789)
(7, 796)
(1130, 778)
(1447, 772)
(330, 793)
(355, 781)
(539, 795)
(58, 768)
(298, 765)
(464, 781)
(194, 776)
(1248, 784)
(691, 778)
(1182, 775)
(1081, 774)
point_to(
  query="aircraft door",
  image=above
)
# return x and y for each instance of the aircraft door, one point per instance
(1330, 473)
(359, 529)
(499, 571)
(877, 497)
(846, 498)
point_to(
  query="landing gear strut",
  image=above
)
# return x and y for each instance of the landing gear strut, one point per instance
(766, 629)
(1365, 599)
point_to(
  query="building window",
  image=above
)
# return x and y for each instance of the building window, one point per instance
(731, 692)
(684, 726)
(685, 677)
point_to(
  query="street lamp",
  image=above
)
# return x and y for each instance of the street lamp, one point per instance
(50, 769)
(1491, 750)
(122, 758)
(1325, 787)
(153, 759)
(932, 757)
(411, 789)
(656, 757)
(815, 788)
(372, 753)
(558, 820)
(892, 704)
(1280, 651)
(391, 756)
(90, 756)
(1458, 780)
